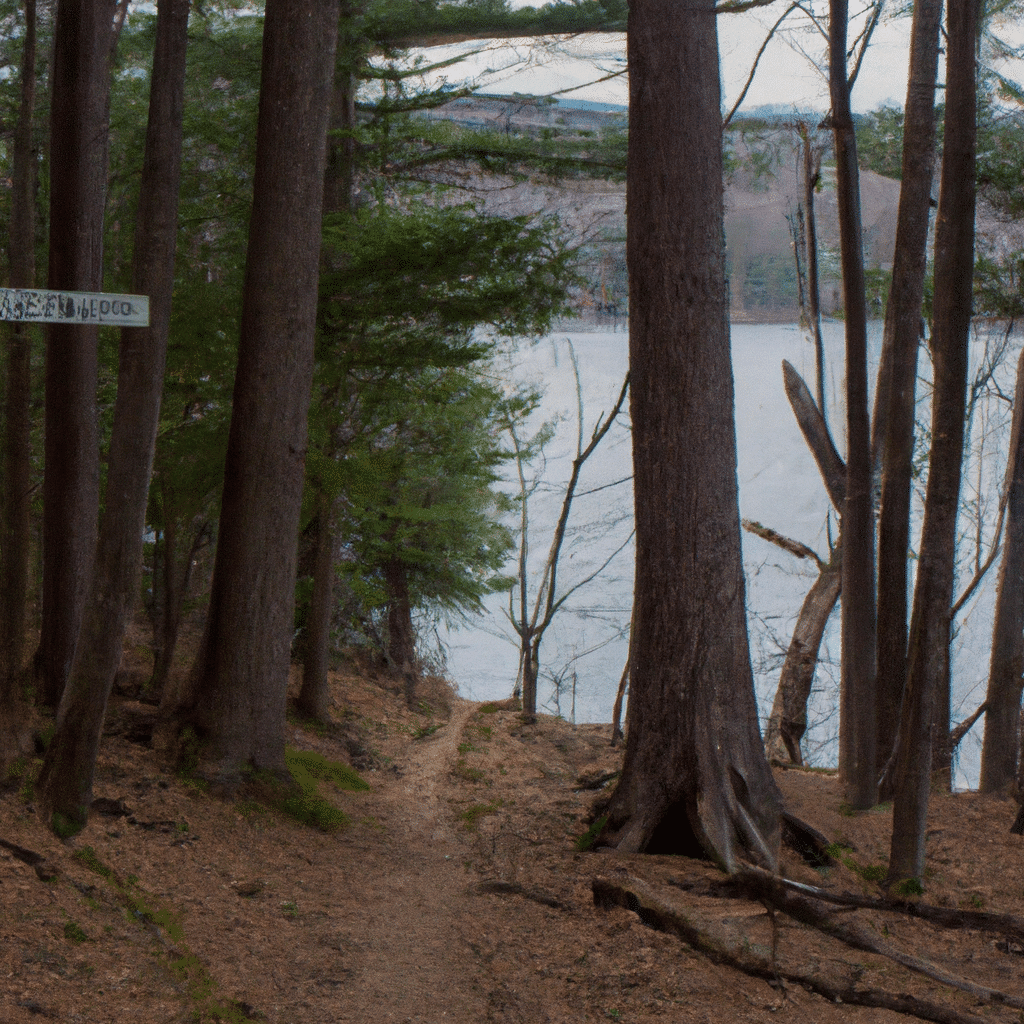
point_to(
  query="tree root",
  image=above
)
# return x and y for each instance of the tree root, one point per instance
(1006, 925)
(808, 909)
(636, 895)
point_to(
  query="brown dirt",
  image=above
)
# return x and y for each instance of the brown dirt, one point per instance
(456, 894)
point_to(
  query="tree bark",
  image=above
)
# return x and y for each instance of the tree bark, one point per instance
(239, 685)
(897, 377)
(1002, 717)
(811, 173)
(65, 781)
(14, 550)
(401, 649)
(78, 173)
(857, 695)
(314, 697)
(928, 657)
(695, 777)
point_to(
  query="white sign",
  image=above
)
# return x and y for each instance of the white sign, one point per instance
(42, 306)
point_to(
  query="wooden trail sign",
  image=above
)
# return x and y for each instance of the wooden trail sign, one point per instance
(43, 306)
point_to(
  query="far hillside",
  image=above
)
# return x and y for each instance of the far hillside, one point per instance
(764, 189)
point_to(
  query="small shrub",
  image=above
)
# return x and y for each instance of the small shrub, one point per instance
(74, 932)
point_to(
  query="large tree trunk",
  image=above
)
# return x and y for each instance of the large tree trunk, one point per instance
(1002, 717)
(894, 401)
(857, 696)
(78, 180)
(240, 680)
(65, 782)
(695, 775)
(928, 657)
(14, 550)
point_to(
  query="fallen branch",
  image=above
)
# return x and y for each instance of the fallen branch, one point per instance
(636, 895)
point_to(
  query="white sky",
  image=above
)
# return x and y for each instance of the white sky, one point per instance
(785, 75)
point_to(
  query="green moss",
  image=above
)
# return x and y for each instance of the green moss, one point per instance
(587, 840)
(313, 810)
(307, 766)
(870, 873)
(908, 887)
(64, 826)
(87, 855)
(74, 932)
(472, 815)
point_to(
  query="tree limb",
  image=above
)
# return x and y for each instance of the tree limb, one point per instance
(794, 547)
(816, 434)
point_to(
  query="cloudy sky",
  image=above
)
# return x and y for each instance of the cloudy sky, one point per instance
(786, 73)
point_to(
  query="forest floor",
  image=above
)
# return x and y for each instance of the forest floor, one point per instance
(457, 893)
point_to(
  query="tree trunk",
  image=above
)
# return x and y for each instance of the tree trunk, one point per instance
(695, 778)
(172, 582)
(1002, 719)
(788, 721)
(530, 654)
(857, 696)
(812, 170)
(65, 781)
(928, 657)
(401, 649)
(315, 697)
(78, 179)
(239, 685)
(14, 550)
(894, 402)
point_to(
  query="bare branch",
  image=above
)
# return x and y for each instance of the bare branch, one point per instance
(816, 434)
(757, 58)
(794, 547)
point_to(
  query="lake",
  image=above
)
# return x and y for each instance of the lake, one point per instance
(583, 654)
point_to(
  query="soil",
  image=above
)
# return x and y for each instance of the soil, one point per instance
(456, 892)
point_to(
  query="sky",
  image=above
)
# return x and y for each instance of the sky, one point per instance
(786, 74)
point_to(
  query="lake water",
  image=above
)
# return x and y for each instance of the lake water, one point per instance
(779, 486)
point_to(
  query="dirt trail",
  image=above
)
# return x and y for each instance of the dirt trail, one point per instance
(406, 939)
(428, 762)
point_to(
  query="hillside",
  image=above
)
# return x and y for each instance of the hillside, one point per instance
(759, 245)
(457, 893)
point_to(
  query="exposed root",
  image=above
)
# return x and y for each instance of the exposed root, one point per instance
(656, 912)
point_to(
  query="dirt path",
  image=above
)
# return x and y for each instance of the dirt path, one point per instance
(428, 763)
(407, 940)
